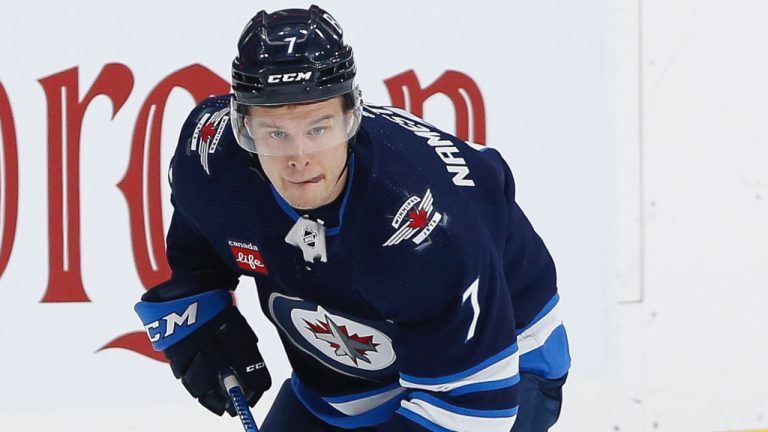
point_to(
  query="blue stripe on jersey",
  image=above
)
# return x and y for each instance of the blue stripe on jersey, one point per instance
(552, 359)
(284, 205)
(545, 310)
(320, 408)
(501, 413)
(511, 350)
(295, 216)
(489, 399)
(351, 397)
(421, 421)
(351, 165)
(485, 386)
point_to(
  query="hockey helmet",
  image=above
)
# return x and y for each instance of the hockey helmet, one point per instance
(293, 56)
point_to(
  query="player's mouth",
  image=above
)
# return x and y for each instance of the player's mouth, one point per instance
(311, 180)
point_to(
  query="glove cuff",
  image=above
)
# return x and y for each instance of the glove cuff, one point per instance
(168, 322)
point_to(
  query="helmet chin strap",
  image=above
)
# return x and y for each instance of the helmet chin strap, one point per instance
(346, 166)
(255, 165)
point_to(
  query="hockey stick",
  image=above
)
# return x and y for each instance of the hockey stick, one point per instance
(238, 400)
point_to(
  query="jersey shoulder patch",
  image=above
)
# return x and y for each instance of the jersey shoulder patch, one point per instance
(210, 172)
(207, 134)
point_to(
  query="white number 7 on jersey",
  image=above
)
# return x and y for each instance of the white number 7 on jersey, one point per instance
(471, 292)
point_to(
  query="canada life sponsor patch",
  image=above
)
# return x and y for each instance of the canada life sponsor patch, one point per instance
(415, 220)
(247, 256)
(205, 138)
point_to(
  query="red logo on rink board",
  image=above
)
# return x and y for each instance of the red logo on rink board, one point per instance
(247, 256)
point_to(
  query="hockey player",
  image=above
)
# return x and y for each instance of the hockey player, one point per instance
(408, 288)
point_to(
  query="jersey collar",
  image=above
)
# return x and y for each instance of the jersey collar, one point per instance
(291, 212)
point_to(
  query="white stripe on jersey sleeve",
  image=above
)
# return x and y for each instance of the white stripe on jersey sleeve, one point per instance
(535, 336)
(506, 367)
(455, 418)
(365, 404)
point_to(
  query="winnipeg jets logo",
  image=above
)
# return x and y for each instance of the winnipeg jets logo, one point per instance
(345, 345)
(207, 134)
(349, 345)
(414, 222)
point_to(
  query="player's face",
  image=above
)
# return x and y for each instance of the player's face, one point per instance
(312, 174)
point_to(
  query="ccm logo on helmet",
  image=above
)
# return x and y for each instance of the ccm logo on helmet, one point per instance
(171, 321)
(289, 77)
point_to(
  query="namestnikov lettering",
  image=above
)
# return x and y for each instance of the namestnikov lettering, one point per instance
(445, 149)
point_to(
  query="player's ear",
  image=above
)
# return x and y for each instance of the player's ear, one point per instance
(349, 121)
(247, 122)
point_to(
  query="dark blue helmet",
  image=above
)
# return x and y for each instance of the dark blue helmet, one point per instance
(292, 56)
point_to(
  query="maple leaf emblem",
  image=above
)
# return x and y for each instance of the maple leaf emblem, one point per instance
(418, 219)
(353, 346)
(207, 132)
(415, 223)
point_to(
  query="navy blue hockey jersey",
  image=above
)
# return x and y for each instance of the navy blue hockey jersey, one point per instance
(435, 293)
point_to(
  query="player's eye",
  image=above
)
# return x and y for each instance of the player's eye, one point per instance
(277, 134)
(317, 131)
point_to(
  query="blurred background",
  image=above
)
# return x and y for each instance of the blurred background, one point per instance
(636, 130)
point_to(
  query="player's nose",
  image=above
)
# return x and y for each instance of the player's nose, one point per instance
(299, 160)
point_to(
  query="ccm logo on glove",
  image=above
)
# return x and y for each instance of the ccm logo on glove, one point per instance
(168, 322)
(171, 321)
(253, 367)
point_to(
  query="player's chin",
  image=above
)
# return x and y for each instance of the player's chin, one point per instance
(306, 196)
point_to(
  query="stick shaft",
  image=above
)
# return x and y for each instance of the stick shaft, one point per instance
(241, 404)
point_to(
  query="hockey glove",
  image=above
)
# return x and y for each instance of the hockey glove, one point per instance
(202, 334)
